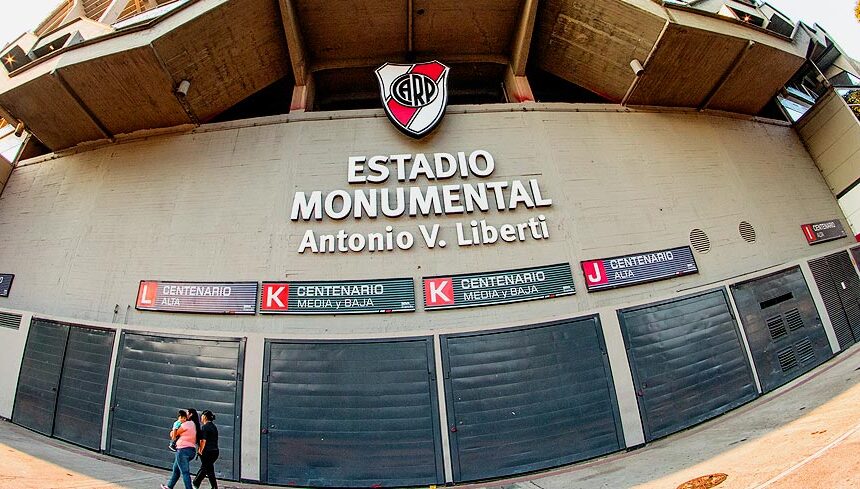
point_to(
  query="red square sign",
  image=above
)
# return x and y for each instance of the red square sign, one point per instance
(275, 297)
(438, 292)
(146, 294)
(595, 272)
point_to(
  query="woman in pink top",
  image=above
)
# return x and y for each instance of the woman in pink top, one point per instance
(186, 449)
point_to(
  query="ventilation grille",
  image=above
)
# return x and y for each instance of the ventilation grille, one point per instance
(8, 320)
(700, 241)
(787, 359)
(747, 231)
(794, 320)
(776, 300)
(776, 326)
(805, 352)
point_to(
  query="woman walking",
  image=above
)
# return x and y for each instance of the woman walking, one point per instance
(208, 450)
(186, 447)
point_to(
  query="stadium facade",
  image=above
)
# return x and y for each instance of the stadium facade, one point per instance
(627, 222)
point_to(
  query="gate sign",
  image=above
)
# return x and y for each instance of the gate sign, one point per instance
(203, 297)
(5, 283)
(483, 289)
(819, 232)
(414, 95)
(339, 297)
(621, 271)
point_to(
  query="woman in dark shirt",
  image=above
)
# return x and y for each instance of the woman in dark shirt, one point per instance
(208, 450)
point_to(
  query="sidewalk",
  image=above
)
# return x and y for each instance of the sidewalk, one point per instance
(805, 435)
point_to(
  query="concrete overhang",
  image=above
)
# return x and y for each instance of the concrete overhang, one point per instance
(124, 81)
(708, 61)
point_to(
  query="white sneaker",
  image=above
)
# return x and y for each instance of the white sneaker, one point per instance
(164, 487)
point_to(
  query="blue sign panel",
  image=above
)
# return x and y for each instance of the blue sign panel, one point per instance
(483, 289)
(202, 297)
(5, 283)
(621, 271)
(343, 297)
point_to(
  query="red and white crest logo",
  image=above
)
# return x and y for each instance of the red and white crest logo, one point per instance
(414, 96)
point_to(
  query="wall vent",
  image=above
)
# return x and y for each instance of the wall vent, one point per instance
(776, 326)
(794, 320)
(700, 241)
(805, 352)
(787, 359)
(747, 231)
(8, 320)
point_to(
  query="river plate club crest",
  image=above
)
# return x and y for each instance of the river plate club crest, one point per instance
(414, 95)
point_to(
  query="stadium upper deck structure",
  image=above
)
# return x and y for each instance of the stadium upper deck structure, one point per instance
(627, 222)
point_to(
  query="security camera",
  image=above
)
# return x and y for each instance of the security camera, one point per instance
(19, 129)
(637, 67)
(182, 88)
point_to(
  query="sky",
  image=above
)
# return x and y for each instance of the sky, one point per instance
(836, 16)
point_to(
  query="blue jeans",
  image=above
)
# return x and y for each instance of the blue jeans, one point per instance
(180, 467)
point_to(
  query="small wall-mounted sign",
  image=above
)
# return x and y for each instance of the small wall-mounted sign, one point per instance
(820, 232)
(638, 268)
(338, 297)
(201, 297)
(501, 287)
(5, 283)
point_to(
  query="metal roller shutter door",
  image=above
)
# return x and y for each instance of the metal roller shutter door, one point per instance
(158, 375)
(83, 386)
(529, 398)
(848, 286)
(351, 414)
(828, 286)
(687, 361)
(39, 379)
(782, 325)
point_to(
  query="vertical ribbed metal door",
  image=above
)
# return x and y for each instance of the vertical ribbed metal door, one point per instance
(350, 414)
(782, 325)
(39, 380)
(687, 360)
(529, 398)
(63, 381)
(83, 386)
(158, 375)
(840, 290)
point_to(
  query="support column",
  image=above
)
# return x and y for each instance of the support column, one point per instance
(517, 88)
(303, 96)
(252, 401)
(622, 378)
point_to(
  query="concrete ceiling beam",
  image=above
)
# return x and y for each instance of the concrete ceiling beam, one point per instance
(86, 110)
(727, 75)
(295, 44)
(523, 38)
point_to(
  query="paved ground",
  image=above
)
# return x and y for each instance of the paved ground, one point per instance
(805, 435)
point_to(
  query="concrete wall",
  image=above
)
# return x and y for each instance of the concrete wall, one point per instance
(5, 171)
(12, 343)
(81, 231)
(831, 132)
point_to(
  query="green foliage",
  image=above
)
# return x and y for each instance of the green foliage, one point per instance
(853, 97)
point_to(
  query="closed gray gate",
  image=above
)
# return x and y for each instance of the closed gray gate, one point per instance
(39, 380)
(840, 289)
(350, 414)
(63, 381)
(529, 398)
(83, 385)
(784, 331)
(687, 361)
(158, 375)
